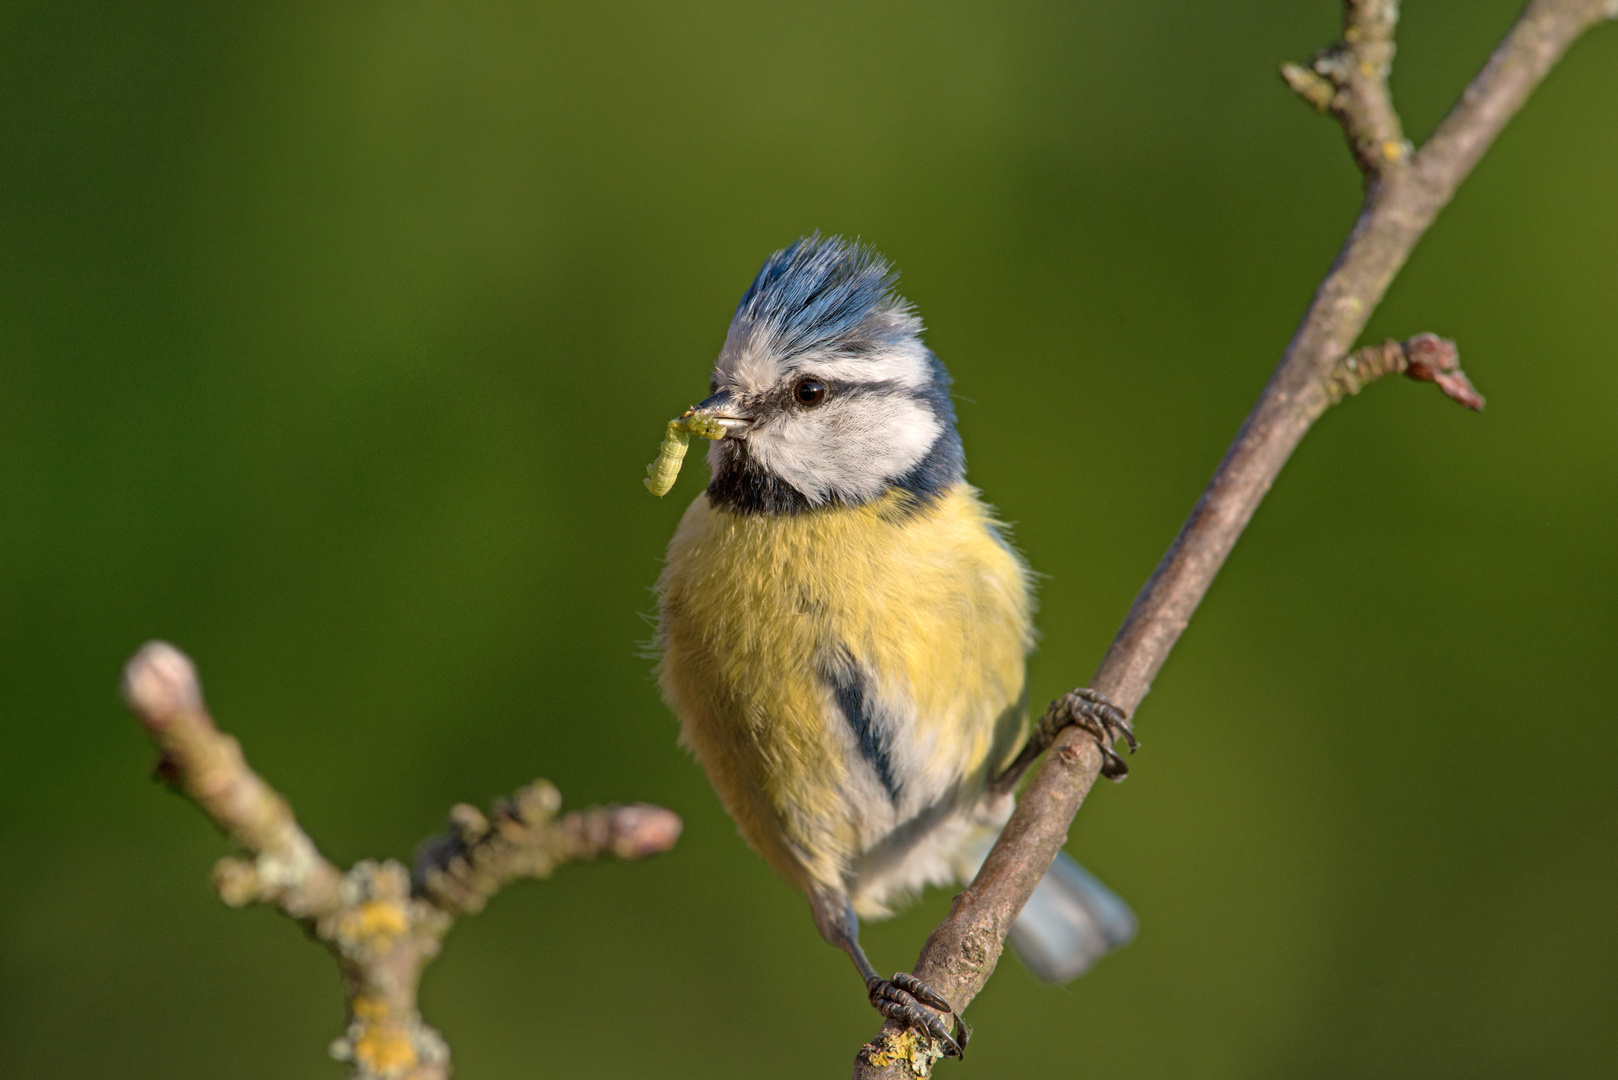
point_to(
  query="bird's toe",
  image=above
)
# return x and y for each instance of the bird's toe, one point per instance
(913, 1003)
(1103, 721)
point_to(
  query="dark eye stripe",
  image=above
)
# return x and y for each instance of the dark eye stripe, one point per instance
(784, 397)
(842, 388)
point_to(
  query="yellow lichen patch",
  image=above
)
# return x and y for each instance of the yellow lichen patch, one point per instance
(382, 1048)
(384, 917)
(376, 922)
(1393, 150)
(385, 1050)
(369, 1009)
(908, 1047)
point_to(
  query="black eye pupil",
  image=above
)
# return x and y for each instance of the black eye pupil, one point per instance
(810, 392)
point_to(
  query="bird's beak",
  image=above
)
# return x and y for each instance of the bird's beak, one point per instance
(723, 412)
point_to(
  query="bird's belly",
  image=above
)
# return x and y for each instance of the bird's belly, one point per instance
(846, 677)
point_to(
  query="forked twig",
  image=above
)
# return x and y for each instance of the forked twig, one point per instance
(381, 922)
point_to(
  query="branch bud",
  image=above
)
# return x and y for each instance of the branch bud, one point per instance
(640, 829)
(469, 822)
(237, 881)
(1436, 360)
(160, 683)
(1309, 85)
(537, 803)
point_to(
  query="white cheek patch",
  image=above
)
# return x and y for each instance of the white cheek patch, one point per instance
(852, 446)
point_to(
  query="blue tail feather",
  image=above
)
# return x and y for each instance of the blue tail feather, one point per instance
(1070, 922)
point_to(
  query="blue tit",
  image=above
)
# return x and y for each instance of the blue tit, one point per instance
(844, 628)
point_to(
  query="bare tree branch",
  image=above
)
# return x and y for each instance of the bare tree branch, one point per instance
(382, 928)
(1404, 193)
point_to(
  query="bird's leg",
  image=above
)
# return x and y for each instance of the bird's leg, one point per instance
(1083, 708)
(904, 997)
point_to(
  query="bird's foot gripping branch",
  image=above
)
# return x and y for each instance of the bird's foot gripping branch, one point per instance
(1405, 188)
(382, 922)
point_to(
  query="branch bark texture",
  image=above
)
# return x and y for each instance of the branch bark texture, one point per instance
(1405, 190)
(381, 922)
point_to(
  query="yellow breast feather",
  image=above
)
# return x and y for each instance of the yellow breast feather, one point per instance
(772, 625)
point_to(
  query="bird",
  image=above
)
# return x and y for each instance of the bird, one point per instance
(843, 626)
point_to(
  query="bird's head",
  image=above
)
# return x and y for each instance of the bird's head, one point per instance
(826, 394)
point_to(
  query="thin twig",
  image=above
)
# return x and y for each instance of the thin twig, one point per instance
(1350, 81)
(382, 928)
(1424, 358)
(1404, 194)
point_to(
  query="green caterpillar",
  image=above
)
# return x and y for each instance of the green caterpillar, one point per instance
(661, 474)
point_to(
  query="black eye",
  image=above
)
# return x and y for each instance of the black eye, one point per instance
(809, 392)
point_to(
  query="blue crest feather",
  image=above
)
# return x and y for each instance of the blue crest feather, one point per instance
(831, 294)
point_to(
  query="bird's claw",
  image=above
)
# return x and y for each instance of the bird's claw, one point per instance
(1105, 722)
(913, 1003)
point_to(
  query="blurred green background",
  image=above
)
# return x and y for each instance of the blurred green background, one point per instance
(334, 338)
